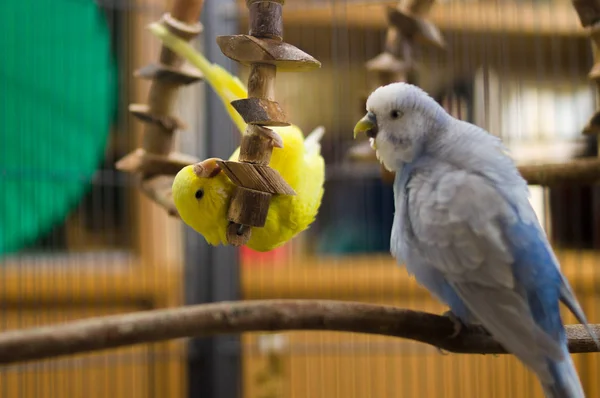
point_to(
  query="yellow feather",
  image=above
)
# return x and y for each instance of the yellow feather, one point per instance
(301, 166)
(228, 87)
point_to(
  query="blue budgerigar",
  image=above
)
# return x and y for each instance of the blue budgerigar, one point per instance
(465, 229)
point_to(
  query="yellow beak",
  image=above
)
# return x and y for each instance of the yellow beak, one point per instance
(367, 125)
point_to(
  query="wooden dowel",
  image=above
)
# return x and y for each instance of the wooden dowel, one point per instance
(261, 81)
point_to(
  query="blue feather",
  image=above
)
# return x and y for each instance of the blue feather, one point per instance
(543, 283)
(537, 273)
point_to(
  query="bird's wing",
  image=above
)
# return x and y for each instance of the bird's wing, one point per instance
(457, 223)
(312, 142)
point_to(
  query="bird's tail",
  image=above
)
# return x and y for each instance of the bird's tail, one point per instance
(312, 143)
(228, 87)
(566, 382)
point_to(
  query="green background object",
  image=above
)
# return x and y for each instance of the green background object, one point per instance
(57, 97)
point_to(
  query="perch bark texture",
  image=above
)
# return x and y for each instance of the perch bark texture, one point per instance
(264, 51)
(155, 157)
(256, 316)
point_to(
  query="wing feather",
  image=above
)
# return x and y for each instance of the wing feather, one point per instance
(457, 224)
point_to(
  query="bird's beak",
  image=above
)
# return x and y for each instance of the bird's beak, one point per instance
(367, 125)
(207, 168)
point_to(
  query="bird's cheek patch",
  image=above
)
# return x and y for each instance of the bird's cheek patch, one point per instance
(399, 141)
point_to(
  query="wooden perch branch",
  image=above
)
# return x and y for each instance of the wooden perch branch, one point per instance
(578, 171)
(155, 158)
(256, 316)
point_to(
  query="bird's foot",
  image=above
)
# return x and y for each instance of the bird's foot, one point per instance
(458, 327)
(458, 324)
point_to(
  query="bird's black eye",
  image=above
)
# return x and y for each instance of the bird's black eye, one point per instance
(199, 194)
(395, 114)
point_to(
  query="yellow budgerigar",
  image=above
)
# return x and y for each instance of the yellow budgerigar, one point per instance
(202, 192)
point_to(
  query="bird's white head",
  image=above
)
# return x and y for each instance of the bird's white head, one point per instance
(400, 118)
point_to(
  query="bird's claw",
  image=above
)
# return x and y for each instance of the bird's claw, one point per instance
(458, 324)
(441, 351)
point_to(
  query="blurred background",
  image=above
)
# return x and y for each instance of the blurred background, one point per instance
(77, 239)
